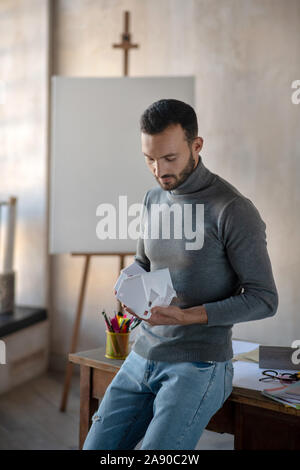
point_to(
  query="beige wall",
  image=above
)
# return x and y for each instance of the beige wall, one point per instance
(23, 162)
(244, 54)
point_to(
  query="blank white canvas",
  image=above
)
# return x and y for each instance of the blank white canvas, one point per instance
(96, 153)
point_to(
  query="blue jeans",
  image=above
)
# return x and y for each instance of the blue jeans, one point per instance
(167, 403)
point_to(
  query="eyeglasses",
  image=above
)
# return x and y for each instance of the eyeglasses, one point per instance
(286, 377)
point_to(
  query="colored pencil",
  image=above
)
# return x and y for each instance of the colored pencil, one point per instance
(109, 327)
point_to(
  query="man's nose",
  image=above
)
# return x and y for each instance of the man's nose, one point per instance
(159, 169)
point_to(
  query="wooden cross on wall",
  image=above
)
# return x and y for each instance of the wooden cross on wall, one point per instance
(126, 44)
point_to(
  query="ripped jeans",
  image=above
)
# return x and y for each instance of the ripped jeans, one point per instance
(168, 404)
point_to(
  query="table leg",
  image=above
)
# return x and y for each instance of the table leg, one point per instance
(88, 404)
(238, 427)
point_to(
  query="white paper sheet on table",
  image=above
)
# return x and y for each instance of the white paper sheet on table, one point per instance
(245, 351)
(247, 374)
(240, 347)
(141, 290)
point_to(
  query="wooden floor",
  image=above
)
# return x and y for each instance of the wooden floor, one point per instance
(30, 418)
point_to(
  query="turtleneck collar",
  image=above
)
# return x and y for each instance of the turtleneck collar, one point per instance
(199, 179)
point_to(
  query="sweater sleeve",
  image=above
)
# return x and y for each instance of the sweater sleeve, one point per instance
(243, 234)
(140, 256)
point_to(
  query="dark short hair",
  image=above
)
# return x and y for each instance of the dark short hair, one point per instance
(163, 113)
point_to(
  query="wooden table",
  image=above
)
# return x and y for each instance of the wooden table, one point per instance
(256, 422)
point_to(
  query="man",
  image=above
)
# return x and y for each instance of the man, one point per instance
(180, 372)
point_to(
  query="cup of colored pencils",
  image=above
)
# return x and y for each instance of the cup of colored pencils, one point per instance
(118, 331)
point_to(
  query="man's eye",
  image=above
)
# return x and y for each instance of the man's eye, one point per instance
(170, 159)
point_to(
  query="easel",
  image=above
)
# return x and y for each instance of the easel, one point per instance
(126, 45)
(76, 325)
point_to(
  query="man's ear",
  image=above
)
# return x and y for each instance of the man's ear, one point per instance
(198, 144)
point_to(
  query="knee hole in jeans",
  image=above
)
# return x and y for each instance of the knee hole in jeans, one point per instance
(96, 418)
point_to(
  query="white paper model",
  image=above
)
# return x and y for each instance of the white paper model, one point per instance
(131, 270)
(141, 290)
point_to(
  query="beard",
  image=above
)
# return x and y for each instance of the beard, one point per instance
(177, 180)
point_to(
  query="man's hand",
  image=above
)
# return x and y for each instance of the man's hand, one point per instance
(170, 315)
(173, 315)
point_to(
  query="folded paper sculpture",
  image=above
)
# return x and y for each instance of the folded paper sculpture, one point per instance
(141, 290)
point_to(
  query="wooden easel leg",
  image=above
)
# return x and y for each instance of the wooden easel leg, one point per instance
(69, 368)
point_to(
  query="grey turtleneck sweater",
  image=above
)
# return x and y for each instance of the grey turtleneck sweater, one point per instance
(230, 274)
